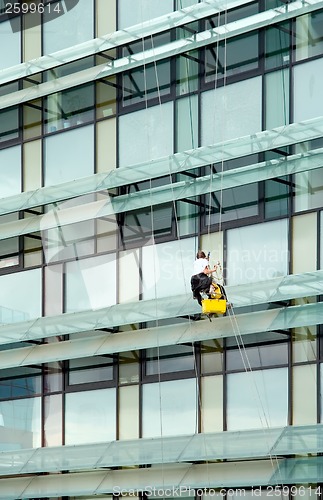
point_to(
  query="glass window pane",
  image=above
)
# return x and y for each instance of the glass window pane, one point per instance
(87, 370)
(277, 42)
(146, 134)
(304, 395)
(69, 108)
(167, 268)
(129, 364)
(308, 102)
(169, 359)
(9, 124)
(16, 303)
(309, 35)
(32, 115)
(10, 171)
(69, 155)
(90, 283)
(11, 39)
(53, 290)
(257, 399)
(237, 203)
(142, 225)
(211, 356)
(187, 68)
(277, 196)
(231, 57)
(152, 81)
(128, 412)
(187, 123)
(20, 424)
(106, 97)
(257, 357)
(9, 248)
(133, 12)
(53, 372)
(257, 252)
(231, 111)
(53, 417)
(277, 99)
(20, 382)
(90, 416)
(149, 81)
(80, 16)
(169, 408)
(308, 190)
(71, 240)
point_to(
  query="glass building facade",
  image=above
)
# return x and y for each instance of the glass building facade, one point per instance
(132, 134)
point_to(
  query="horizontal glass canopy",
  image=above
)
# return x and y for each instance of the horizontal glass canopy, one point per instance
(58, 217)
(155, 54)
(278, 289)
(263, 443)
(119, 38)
(125, 314)
(185, 161)
(179, 478)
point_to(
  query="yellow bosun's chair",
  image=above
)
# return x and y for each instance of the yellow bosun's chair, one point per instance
(217, 304)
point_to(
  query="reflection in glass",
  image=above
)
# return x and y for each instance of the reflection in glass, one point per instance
(90, 416)
(309, 35)
(20, 423)
(53, 417)
(20, 382)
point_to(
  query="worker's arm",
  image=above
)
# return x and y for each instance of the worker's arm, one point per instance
(209, 271)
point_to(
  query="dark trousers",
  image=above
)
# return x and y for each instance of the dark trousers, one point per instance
(200, 283)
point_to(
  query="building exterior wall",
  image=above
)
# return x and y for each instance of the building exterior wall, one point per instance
(260, 230)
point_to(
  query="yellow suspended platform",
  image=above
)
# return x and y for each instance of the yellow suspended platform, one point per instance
(214, 306)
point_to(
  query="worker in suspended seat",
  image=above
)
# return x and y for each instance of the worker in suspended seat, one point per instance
(201, 281)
